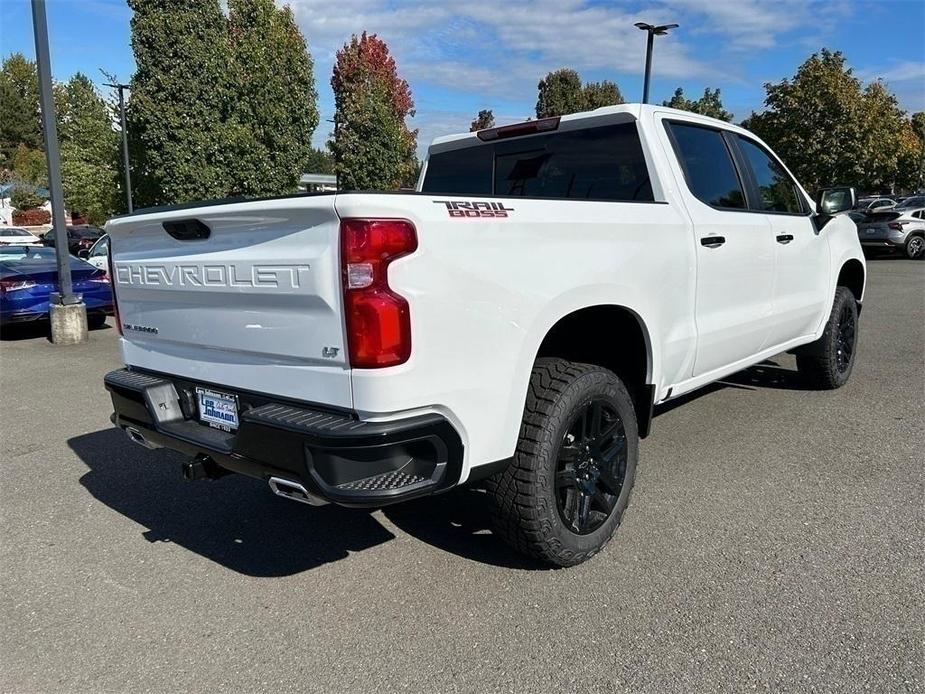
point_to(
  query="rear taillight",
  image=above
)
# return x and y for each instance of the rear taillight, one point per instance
(112, 275)
(898, 226)
(378, 320)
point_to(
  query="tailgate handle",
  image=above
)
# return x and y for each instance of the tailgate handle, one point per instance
(188, 229)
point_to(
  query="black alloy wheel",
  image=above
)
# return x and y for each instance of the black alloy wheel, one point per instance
(591, 467)
(845, 338)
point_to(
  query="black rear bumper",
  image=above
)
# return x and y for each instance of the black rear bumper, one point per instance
(333, 455)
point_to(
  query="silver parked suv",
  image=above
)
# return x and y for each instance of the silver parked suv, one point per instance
(900, 229)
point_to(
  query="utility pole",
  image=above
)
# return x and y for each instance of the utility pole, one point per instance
(125, 165)
(653, 31)
(67, 311)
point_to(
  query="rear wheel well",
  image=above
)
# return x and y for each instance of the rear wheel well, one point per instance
(852, 277)
(612, 337)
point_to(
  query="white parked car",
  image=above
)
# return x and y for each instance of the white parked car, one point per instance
(874, 204)
(17, 236)
(514, 320)
(98, 254)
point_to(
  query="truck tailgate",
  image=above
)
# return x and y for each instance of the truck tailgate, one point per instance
(256, 304)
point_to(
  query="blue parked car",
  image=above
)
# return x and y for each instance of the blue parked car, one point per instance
(28, 275)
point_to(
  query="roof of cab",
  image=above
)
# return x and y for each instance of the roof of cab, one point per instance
(633, 111)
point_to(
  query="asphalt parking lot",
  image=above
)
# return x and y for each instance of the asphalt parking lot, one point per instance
(774, 542)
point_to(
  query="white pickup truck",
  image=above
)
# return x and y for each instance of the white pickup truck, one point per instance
(513, 320)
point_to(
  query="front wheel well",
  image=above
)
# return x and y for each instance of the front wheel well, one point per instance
(612, 337)
(851, 276)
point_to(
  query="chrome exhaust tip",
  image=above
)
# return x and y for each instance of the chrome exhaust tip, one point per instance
(295, 491)
(136, 436)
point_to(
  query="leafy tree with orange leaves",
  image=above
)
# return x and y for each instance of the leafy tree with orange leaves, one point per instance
(373, 147)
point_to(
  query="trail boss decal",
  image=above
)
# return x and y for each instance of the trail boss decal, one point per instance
(465, 208)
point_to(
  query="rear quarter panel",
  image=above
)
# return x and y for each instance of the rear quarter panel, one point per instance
(483, 294)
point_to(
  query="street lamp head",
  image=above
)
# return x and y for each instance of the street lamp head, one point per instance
(660, 30)
(663, 29)
(652, 32)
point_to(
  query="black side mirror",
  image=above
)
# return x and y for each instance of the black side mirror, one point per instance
(831, 201)
(83, 253)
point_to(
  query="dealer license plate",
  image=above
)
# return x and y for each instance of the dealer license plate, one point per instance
(219, 410)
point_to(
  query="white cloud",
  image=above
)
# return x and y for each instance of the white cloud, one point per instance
(906, 71)
(484, 51)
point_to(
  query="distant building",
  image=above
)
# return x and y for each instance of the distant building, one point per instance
(317, 183)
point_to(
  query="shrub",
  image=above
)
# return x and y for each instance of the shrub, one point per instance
(31, 218)
(24, 197)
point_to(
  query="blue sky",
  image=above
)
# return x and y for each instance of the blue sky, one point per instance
(460, 57)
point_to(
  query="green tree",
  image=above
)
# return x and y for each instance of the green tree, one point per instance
(20, 122)
(184, 141)
(829, 130)
(597, 94)
(319, 161)
(560, 92)
(911, 158)
(89, 150)
(485, 119)
(29, 165)
(710, 104)
(373, 147)
(915, 157)
(275, 99)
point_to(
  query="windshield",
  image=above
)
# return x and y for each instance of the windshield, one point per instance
(917, 201)
(14, 231)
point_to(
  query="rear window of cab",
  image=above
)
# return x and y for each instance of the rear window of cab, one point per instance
(602, 163)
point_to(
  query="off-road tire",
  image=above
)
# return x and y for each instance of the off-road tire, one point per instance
(819, 362)
(524, 497)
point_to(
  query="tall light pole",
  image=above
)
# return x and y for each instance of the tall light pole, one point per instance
(653, 31)
(128, 173)
(68, 313)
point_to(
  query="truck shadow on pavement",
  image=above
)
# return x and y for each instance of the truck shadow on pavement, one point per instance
(236, 522)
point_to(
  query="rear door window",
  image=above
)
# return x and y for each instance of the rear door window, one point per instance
(603, 163)
(708, 166)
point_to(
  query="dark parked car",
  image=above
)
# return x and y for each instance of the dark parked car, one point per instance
(28, 276)
(79, 238)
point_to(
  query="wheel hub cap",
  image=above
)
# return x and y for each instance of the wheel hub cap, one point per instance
(591, 467)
